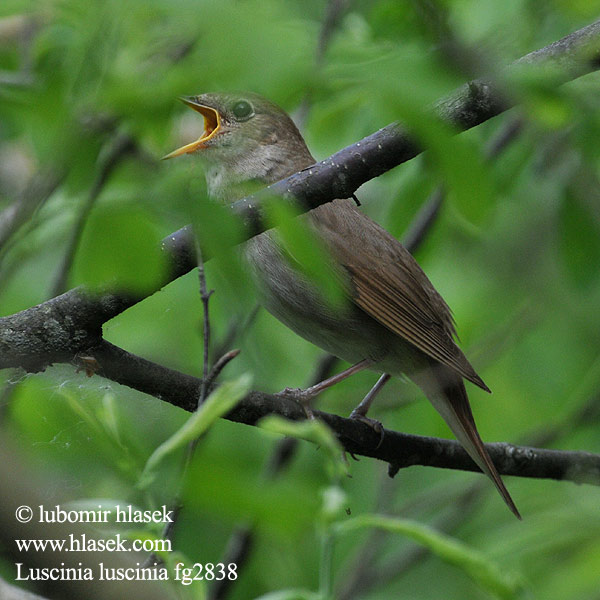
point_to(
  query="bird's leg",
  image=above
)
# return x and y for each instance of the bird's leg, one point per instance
(360, 412)
(305, 396)
(313, 390)
(363, 408)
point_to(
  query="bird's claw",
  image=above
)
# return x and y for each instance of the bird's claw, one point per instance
(374, 424)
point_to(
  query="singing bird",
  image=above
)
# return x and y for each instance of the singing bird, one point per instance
(393, 322)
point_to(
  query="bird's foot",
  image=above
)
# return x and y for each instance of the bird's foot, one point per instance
(304, 396)
(301, 396)
(374, 424)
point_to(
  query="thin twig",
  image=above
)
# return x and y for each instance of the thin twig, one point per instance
(205, 297)
(219, 366)
(505, 136)
(238, 550)
(177, 504)
(423, 222)
(361, 568)
(41, 186)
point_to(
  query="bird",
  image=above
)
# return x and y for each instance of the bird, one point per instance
(393, 320)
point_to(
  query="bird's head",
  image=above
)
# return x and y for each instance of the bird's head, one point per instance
(246, 138)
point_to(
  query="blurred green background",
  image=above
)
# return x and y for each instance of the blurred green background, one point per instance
(88, 105)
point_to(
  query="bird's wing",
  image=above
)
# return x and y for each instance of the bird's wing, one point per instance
(388, 284)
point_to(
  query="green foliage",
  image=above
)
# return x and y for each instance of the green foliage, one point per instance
(306, 252)
(316, 432)
(120, 246)
(580, 231)
(514, 251)
(483, 571)
(218, 404)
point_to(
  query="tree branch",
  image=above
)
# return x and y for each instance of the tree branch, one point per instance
(57, 330)
(398, 449)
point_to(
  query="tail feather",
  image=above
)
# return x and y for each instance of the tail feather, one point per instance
(451, 401)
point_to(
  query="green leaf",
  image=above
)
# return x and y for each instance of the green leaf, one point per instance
(102, 419)
(580, 241)
(476, 565)
(216, 227)
(539, 95)
(317, 432)
(219, 403)
(306, 251)
(120, 246)
(219, 232)
(108, 415)
(457, 161)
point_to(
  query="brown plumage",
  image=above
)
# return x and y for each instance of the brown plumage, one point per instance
(394, 317)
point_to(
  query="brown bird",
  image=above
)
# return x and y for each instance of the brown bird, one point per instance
(395, 322)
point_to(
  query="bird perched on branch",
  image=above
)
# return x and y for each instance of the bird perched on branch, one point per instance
(393, 321)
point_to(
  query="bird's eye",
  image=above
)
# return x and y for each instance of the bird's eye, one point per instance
(242, 110)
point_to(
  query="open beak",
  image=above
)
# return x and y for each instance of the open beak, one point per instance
(212, 125)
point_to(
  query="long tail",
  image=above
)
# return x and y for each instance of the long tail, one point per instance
(451, 401)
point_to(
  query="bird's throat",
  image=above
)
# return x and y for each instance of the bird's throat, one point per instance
(226, 185)
(239, 175)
